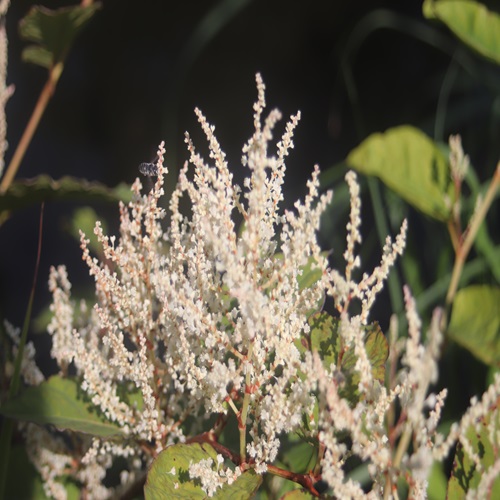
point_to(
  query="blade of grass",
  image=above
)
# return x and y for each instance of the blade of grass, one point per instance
(8, 424)
(393, 281)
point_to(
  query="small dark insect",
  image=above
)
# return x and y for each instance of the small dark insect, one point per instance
(149, 169)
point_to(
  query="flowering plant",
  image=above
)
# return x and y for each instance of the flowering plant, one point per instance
(208, 359)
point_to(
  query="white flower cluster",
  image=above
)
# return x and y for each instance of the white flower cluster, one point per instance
(196, 316)
(366, 421)
(211, 479)
(200, 317)
(5, 90)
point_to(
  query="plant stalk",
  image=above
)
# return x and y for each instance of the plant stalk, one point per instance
(464, 249)
(8, 424)
(244, 411)
(29, 131)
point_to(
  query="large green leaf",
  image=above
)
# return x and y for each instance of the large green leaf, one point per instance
(326, 340)
(53, 32)
(59, 402)
(43, 188)
(409, 163)
(465, 475)
(168, 476)
(471, 22)
(475, 322)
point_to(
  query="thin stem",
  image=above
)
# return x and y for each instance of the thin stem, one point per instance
(403, 444)
(43, 99)
(305, 480)
(242, 426)
(476, 221)
(8, 424)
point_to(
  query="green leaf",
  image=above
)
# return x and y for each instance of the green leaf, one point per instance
(484, 245)
(53, 32)
(310, 274)
(471, 22)
(326, 340)
(43, 188)
(409, 163)
(243, 488)
(168, 476)
(437, 482)
(464, 475)
(59, 402)
(84, 219)
(298, 494)
(297, 454)
(31, 485)
(475, 322)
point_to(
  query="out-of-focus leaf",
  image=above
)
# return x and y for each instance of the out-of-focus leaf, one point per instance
(84, 219)
(298, 494)
(471, 22)
(409, 163)
(465, 476)
(377, 350)
(310, 274)
(297, 454)
(437, 482)
(37, 55)
(326, 340)
(168, 476)
(475, 322)
(53, 32)
(43, 188)
(484, 245)
(59, 402)
(23, 481)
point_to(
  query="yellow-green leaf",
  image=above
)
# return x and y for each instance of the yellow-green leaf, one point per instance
(475, 322)
(471, 22)
(409, 163)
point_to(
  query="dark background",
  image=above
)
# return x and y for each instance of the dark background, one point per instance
(138, 70)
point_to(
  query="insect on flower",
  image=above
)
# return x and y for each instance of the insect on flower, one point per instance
(149, 169)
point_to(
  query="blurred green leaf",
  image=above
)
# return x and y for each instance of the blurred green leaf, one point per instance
(168, 476)
(43, 188)
(475, 322)
(484, 245)
(27, 485)
(297, 455)
(377, 350)
(53, 32)
(310, 274)
(59, 402)
(84, 219)
(326, 340)
(409, 163)
(465, 476)
(297, 494)
(471, 22)
(437, 482)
